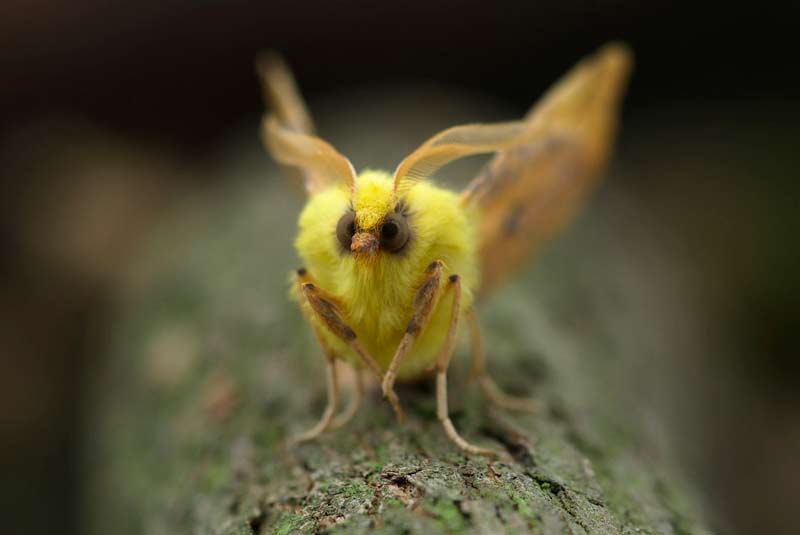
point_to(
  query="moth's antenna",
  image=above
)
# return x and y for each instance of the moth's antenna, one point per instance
(322, 164)
(455, 143)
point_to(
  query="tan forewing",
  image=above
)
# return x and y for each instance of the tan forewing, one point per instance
(529, 191)
(287, 130)
(281, 94)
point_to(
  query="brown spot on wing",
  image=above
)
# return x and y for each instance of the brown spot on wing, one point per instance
(512, 221)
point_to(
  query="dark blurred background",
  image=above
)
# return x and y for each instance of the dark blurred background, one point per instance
(111, 113)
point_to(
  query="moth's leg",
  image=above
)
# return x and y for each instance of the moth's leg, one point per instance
(325, 308)
(355, 402)
(478, 372)
(442, 364)
(333, 394)
(424, 303)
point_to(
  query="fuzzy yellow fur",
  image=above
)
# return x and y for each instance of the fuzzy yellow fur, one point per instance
(376, 294)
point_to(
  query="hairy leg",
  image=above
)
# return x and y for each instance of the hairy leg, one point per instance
(355, 401)
(424, 303)
(442, 364)
(325, 308)
(333, 397)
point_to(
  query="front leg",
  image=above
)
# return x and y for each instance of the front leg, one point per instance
(424, 304)
(327, 310)
(323, 306)
(442, 364)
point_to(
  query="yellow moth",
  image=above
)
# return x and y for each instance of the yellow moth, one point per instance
(393, 262)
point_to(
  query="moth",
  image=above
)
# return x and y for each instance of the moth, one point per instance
(393, 263)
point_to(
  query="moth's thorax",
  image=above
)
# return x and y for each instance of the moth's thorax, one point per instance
(377, 293)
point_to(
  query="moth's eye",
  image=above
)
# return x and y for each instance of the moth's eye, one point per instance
(394, 233)
(345, 229)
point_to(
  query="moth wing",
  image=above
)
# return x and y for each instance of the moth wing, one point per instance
(531, 190)
(287, 130)
(281, 93)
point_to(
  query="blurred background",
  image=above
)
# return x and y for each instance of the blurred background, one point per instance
(110, 114)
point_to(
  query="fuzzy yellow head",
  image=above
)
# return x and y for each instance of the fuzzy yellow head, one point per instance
(371, 250)
(426, 224)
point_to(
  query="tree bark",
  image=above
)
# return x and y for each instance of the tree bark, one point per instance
(211, 367)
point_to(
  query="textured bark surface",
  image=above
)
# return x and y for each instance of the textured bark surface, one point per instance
(211, 367)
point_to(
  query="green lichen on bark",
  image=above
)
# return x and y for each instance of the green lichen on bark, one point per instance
(211, 368)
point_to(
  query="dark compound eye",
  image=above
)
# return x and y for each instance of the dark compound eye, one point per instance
(394, 233)
(389, 230)
(345, 229)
